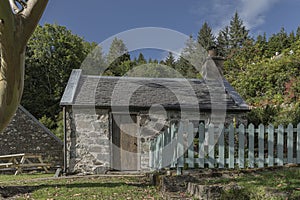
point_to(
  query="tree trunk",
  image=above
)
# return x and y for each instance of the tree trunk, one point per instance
(16, 27)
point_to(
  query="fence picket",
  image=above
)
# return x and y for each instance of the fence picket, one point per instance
(168, 148)
(190, 133)
(251, 130)
(231, 146)
(201, 145)
(261, 146)
(180, 149)
(151, 155)
(211, 146)
(173, 145)
(271, 145)
(241, 146)
(290, 143)
(298, 143)
(280, 136)
(221, 147)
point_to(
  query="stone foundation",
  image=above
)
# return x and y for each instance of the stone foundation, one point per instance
(89, 139)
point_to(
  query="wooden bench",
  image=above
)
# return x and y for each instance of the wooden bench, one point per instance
(23, 160)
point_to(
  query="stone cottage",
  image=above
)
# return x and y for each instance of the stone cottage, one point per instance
(109, 121)
(25, 134)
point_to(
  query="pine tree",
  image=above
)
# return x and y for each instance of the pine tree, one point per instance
(223, 41)
(116, 57)
(170, 60)
(205, 37)
(116, 50)
(298, 33)
(237, 32)
(141, 59)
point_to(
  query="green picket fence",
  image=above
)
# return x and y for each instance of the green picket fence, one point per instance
(185, 146)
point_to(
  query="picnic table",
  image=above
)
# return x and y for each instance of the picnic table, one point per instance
(23, 160)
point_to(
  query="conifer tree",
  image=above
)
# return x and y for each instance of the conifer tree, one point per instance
(205, 37)
(237, 32)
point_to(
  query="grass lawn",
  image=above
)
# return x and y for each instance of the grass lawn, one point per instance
(42, 186)
(283, 183)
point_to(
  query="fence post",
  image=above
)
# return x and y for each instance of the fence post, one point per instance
(280, 145)
(191, 159)
(174, 134)
(221, 147)
(271, 145)
(241, 146)
(298, 143)
(211, 146)
(180, 149)
(251, 131)
(201, 144)
(261, 146)
(290, 130)
(151, 154)
(231, 146)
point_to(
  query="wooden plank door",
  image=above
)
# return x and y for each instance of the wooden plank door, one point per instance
(125, 144)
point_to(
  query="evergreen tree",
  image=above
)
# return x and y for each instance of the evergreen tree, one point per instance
(116, 56)
(298, 33)
(237, 32)
(170, 60)
(277, 43)
(205, 37)
(223, 41)
(141, 59)
(261, 45)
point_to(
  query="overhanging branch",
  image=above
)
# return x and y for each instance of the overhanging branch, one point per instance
(31, 16)
(6, 18)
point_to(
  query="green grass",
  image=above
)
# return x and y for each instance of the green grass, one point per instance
(39, 187)
(268, 184)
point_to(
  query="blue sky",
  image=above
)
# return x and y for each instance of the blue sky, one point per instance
(97, 20)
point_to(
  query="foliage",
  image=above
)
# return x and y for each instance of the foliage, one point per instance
(52, 52)
(205, 37)
(42, 186)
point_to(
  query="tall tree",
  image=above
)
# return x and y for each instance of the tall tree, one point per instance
(205, 37)
(278, 42)
(117, 54)
(223, 42)
(141, 59)
(17, 23)
(298, 33)
(170, 60)
(52, 52)
(237, 32)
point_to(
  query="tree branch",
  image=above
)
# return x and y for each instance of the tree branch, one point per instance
(31, 16)
(7, 22)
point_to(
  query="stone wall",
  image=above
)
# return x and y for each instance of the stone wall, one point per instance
(88, 136)
(25, 134)
(88, 144)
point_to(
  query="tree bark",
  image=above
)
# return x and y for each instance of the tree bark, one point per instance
(16, 27)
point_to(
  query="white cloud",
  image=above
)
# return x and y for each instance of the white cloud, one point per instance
(253, 11)
(218, 13)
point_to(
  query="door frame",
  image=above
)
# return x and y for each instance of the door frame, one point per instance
(138, 135)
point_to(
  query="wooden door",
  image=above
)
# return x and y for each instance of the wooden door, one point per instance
(125, 144)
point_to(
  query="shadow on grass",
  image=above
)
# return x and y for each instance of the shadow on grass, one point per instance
(10, 191)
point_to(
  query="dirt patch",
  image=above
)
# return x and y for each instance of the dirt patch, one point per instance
(211, 184)
(12, 192)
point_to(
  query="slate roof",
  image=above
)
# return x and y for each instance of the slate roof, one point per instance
(139, 92)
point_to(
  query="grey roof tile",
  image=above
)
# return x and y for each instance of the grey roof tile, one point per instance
(144, 92)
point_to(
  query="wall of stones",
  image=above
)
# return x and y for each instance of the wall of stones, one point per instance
(88, 144)
(88, 136)
(25, 134)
